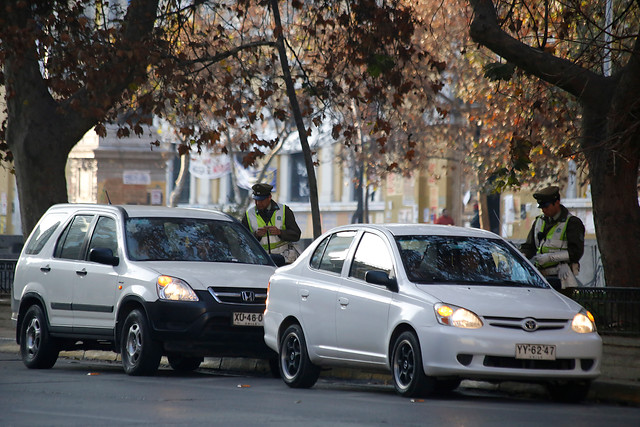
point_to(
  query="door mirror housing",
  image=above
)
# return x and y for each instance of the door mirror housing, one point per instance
(103, 256)
(381, 278)
(278, 259)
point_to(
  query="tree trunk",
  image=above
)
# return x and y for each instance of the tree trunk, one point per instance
(185, 159)
(40, 137)
(610, 137)
(302, 131)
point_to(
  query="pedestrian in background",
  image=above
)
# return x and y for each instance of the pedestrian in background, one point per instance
(555, 242)
(273, 225)
(445, 218)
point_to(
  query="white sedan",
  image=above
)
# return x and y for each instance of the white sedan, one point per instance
(432, 305)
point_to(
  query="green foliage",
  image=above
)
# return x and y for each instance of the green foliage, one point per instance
(497, 71)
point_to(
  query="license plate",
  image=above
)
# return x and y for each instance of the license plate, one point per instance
(247, 319)
(535, 351)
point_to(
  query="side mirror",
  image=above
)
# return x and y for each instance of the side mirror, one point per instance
(381, 278)
(278, 259)
(103, 256)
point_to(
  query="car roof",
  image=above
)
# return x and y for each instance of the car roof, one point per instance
(134, 211)
(422, 229)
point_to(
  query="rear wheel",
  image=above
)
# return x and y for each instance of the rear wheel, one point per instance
(295, 367)
(37, 348)
(140, 354)
(408, 375)
(184, 363)
(570, 391)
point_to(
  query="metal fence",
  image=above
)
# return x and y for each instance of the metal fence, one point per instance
(617, 310)
(7, 267)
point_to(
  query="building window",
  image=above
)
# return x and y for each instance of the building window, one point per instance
(299, 190)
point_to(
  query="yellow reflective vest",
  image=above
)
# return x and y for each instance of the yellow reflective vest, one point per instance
(556, 238)
(268, 242)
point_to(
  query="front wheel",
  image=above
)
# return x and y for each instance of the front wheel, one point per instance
(295, 367)
(37, 348)
(408, 375)
(140, 354)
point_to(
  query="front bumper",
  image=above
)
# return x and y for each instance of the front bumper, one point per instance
(488, 353)
(205, 328)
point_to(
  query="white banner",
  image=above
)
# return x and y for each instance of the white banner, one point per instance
(209, 166)
(247, 177)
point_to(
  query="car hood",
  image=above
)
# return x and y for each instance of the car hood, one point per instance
(201, 275)
(505, 301)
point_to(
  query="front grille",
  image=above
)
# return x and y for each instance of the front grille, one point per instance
(513, 363)
(522, 322)
(243, 296)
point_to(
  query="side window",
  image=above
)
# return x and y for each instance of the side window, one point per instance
(105, 235)
(317, 254)
(70, 242)
(336, 251)
(372, 254)
(42, 233)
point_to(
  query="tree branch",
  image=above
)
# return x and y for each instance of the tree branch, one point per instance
(582, 83)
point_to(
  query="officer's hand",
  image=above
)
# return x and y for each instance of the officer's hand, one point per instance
(261, 231)
(564, 271)
(274, 231)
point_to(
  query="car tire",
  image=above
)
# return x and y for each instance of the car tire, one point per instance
(184, 363)
(406, 367)
(570, 391)
(37, 349)
(296, 369)
(140, 354)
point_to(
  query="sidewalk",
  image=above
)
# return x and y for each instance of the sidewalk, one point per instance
(618, 383)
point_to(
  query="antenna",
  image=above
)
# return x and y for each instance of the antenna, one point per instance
(107, 194)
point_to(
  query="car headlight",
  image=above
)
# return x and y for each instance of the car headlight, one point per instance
(174, 289)
(459, 317)
(583, 323)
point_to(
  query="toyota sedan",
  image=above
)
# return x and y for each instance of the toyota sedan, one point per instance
(432, 305)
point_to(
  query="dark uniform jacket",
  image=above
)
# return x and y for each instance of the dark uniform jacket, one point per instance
(574, 235)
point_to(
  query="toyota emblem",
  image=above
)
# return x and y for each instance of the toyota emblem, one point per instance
(529, 325)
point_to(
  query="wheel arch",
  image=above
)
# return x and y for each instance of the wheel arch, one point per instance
(399, 329)
(126, 306)
(26, 302)
(288, 321)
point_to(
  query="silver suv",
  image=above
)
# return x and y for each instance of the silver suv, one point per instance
(141, 281)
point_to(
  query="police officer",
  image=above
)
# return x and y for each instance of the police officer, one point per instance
(272, 224)
(555, 242)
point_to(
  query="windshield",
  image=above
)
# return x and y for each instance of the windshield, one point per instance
(189, 239)
(465, 260)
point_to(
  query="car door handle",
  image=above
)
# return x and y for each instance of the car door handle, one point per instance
(45, 269)
(343, 301)
(304, 294)
(82, 272)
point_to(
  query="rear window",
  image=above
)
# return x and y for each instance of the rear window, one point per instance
(188, 239)
(331, 253)
(43, 232)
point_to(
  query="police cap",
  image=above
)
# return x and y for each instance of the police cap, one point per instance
(261, 191)
(547, 195)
